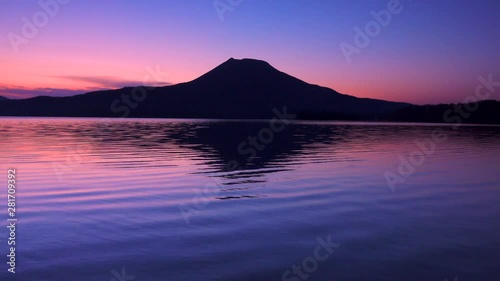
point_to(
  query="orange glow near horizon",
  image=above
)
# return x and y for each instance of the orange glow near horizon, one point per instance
(84, 75)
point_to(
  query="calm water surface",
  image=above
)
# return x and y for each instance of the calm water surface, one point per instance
(154, 199)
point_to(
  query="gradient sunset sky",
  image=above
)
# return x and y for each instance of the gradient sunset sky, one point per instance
(431, 52)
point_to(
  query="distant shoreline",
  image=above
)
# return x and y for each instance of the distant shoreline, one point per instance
(296, 121)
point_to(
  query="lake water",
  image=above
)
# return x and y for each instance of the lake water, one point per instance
(155, 200)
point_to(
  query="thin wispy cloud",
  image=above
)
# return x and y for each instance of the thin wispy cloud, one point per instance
(96, 83)
(109, 82)
(16, 92)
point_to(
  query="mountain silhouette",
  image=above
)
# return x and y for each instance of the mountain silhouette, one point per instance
(237, 89)
(3, 98)
(245, 88)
